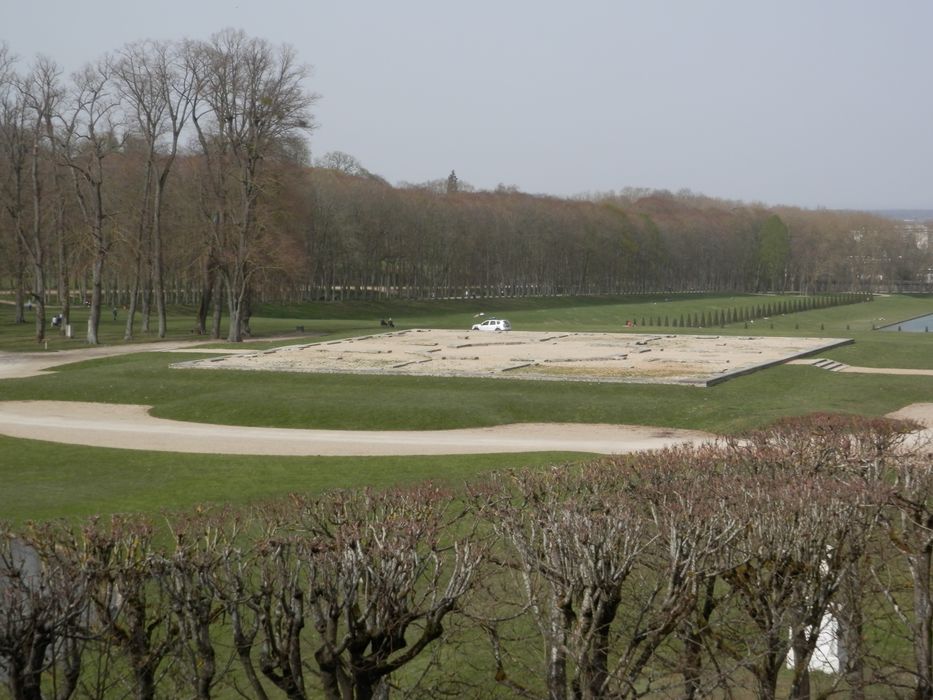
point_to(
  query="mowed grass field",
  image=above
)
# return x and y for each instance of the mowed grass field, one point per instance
(44, 480)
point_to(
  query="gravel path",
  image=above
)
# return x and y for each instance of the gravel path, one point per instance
(16, 365)
(131, 427)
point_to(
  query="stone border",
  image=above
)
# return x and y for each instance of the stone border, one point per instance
(687, 362)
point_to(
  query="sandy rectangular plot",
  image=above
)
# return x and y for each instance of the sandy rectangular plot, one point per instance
(700, 360)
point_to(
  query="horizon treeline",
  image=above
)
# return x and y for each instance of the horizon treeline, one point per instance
(179, 172)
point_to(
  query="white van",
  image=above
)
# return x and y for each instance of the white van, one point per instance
(493, 324)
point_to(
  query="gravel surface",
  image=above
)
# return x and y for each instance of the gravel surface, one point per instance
(601, 357)
(131, 427)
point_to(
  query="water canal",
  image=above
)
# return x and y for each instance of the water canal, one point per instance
(921, 324)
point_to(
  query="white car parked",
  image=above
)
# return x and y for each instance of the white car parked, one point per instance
(493, 324)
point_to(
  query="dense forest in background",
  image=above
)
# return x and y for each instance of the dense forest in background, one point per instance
(179, 173)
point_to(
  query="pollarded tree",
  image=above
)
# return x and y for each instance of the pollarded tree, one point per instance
(682, 490)
(373, 575)
(129, 610)
(385, 572)
(909, 526)
(572, 548)
(846, 449)
(610, 560)
(42, 613)
(787, 565)
(191, 576)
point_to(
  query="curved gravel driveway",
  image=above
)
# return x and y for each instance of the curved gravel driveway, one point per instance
(131, 427)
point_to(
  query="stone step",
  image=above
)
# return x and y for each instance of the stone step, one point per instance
(830, 365)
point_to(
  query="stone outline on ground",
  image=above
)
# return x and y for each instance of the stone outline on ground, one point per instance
(687, 359)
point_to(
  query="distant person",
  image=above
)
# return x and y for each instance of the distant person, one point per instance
(114, 313)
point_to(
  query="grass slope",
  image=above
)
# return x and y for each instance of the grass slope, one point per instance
(43, 480)
(361, 402)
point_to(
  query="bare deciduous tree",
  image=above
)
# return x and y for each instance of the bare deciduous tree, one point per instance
(249, 98)
(788, 563)
(14, 150)
(89, 136)
(909, 526)
(42, 612)
(189, 577)
(394, 571)
(128, 606)
(861, 453)
(610, 564)
(155, 80)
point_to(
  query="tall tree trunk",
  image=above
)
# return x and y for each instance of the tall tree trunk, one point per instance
(93, 319)
(38, 247)
(557, 655)
(146, 299)
(134, 295)
(802, 651)
(25, 674)
(243, 641)
(692, 639)
(208, 274)
(234, 312)
(158, 266)
(19, 291)
(39, 297)
(218, 306)
(246, 312)
(64, 292)
(850, 614)
(598, 672)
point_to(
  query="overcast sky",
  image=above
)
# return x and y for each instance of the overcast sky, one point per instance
(805, 102)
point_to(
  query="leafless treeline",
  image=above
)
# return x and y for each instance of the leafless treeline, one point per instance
(178, 172)
(88, 169)
(681, 573)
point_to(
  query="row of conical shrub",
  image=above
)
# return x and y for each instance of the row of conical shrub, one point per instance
(743, 314)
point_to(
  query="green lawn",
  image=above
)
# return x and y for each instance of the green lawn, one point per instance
(549, 313)
(361, 402)
(42, 480)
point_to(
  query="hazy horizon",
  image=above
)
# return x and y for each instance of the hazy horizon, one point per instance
(798, 103)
